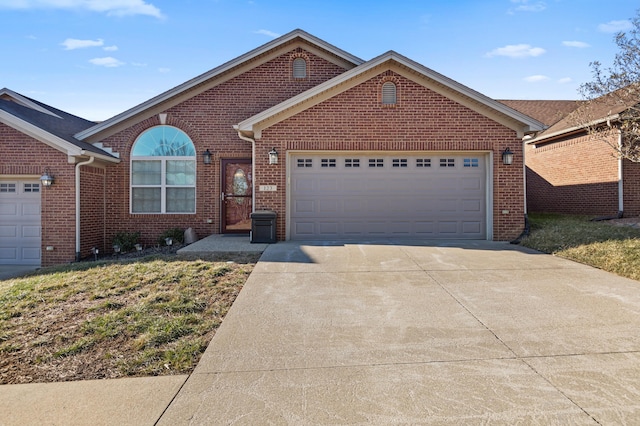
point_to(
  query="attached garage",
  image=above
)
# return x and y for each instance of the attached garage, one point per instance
(20, 230)
(356, 195)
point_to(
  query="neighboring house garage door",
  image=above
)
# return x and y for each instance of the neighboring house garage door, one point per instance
(356, 196)
(20, 222)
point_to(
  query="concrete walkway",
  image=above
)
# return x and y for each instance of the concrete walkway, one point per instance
(444, 333)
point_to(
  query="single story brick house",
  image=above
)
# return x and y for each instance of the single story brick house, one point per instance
(340, 148)
(570, 172)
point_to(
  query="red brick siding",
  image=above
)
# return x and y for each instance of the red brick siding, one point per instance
(421, 121)
(23, 155)
(208, 119)
(574, 176)
(92, 210)
(631, 188)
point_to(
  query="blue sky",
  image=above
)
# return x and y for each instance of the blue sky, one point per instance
(97, 58)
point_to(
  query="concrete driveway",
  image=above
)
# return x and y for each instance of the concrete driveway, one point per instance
(449, 333)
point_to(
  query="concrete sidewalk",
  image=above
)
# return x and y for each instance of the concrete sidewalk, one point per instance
(444, 333)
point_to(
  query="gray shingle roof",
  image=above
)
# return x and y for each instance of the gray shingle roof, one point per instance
(57, 123)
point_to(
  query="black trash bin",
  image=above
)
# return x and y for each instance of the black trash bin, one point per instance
(263, 226)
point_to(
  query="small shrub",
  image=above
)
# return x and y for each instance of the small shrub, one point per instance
(176, 234)
(126, 240)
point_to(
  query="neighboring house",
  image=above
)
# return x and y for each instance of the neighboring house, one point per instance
(365, 149)
(572, 173)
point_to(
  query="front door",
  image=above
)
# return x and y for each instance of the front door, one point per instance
(237, 186)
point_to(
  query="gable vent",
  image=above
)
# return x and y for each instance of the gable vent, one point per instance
(389, 93)
(299, 68)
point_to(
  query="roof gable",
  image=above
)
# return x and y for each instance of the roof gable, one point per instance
(47, 124)
(220, 74)
(393, 61)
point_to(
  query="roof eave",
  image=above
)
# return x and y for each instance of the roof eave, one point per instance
(50, 139)
(526, 124)
(190, 84)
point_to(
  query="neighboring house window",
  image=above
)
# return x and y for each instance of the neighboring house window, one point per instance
(299, 68)
(389, 96)
(163, 172)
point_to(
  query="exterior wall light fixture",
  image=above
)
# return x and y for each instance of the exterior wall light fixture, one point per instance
(273, 156)
(206, 157)
(507, 157)
(47, 178)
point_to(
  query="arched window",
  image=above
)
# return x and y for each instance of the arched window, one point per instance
(389, 96)
(163, 172)
(299, 68)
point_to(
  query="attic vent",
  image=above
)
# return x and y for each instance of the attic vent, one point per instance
(389, 93)
(299, 68)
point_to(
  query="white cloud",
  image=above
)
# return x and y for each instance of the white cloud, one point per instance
(516, 51)
(110, 7)
(579, 44)
(615, 26)
(268, 33)
(110, 48)
(138, 64)
(565, 80)
(164, 70)
(74, 43)
(528, 6)
(108, 62)
(536, 78)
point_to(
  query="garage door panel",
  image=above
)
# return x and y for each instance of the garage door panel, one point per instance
(20, 229)
(8, 231)
(471, 227)
(474, 206)
(412, 200)
(31, 232)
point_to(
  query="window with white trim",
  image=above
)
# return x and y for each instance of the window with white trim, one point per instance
(31, 187)
(163, 172)
(8, 187)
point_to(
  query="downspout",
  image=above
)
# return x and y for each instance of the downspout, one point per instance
(620, 179)
(527, 226)
(253, 166)
(84, 163)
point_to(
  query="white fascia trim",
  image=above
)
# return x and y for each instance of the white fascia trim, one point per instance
(21, 100)
(217, 71)
(49, 139)
(574, 129)
(530, 123)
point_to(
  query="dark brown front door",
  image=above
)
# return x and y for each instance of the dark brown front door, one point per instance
(237, 186)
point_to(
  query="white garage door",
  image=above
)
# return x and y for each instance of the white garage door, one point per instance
(356, 196)
(20, 222)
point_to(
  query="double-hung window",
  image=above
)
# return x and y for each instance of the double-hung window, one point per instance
(163, 172)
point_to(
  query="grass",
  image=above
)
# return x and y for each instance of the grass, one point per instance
(149, 316)
(612, 248)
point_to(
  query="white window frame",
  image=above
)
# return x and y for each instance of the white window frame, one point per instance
(163, 181)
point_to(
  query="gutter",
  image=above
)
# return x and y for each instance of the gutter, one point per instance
(84, 163)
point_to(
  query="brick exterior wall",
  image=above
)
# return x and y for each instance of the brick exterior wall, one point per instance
(22, 155)
(208, 119)
(422, 120)
(631, 188)
(573, 176)
(92, 210)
